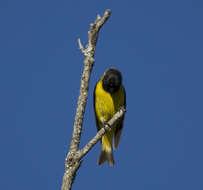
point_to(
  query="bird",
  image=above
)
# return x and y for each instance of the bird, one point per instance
(109, 96)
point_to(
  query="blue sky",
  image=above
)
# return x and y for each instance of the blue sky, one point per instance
(158, 47)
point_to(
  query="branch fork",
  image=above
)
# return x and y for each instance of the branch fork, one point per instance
(74, 156)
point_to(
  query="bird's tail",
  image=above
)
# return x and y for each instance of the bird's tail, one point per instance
(106, 154)
(106, 157)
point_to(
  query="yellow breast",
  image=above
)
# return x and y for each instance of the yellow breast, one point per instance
(106, 105)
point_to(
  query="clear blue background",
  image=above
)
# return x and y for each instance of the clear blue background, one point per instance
(157, 45)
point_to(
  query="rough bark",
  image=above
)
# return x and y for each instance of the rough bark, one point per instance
(74, 156)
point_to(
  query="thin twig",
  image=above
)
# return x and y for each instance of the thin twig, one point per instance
(107, 127)
(81, 47)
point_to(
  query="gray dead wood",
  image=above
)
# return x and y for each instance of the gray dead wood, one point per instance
(74, 156)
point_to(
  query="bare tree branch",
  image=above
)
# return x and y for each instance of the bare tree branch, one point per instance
(73, 164)
(88, 64)
(73, 158)
(107, 127)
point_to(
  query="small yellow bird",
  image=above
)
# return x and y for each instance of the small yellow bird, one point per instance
(109, 96)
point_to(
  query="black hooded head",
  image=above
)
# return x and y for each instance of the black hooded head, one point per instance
(112, 80)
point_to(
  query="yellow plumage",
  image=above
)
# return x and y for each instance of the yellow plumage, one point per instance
(106, 105)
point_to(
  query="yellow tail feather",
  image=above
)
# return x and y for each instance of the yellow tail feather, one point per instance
(106, 152)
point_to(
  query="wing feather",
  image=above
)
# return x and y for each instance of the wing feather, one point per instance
(119, 126)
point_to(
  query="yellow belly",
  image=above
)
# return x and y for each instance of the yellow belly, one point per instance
(106, 105)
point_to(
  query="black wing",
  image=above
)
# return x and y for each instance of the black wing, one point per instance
(119, 126)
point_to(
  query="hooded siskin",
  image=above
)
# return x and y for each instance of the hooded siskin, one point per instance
(109, 96)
